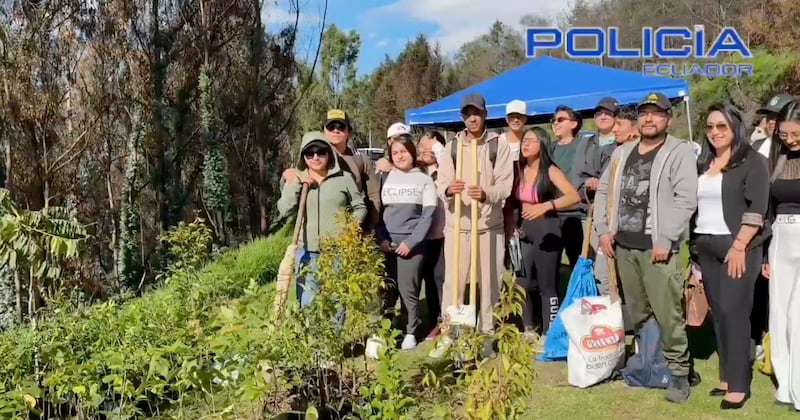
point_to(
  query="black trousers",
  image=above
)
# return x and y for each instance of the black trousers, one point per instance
(731, 302)
(572, 232)
(404, 275)
(541, 247)
(433, 276)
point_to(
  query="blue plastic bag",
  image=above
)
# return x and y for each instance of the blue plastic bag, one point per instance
(581, 284)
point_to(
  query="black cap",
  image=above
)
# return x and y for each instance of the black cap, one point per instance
(776, 103)
(473, 99)
(608, 103)
(658, 99)
(337, 115)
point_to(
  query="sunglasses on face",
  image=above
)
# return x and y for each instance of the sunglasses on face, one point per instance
(336, 126)
(560, 120)
(314, 151)
(722, 127)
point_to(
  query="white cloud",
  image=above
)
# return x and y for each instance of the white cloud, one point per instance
(382, 43)
(372, 35)
(460, 21)
(273, 15)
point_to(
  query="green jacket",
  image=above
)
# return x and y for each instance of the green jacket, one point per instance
(336, 191)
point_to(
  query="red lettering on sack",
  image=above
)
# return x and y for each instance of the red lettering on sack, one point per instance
(602, 338)
(587, 308)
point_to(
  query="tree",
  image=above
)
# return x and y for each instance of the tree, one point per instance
(501, 49)
(216, 188)
(334, 83)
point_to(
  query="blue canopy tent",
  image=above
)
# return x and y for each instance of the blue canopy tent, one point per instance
(544, 84)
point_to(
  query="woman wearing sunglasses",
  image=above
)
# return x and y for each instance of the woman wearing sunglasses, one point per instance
(330, 190)
(728, 229)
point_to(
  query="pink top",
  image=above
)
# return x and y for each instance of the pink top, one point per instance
(527, 193)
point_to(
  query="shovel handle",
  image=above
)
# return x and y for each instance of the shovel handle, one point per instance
(457, 224)
(612, 264)
(473, 224)
(301, 213)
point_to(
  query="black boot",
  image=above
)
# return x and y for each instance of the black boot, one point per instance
(679, 389)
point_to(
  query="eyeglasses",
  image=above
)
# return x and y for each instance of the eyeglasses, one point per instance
(311, 153)
(560, 120)
(530, 141)
(336, 126)
(721, 127)
(785, 136)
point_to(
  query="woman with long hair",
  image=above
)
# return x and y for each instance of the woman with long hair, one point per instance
(784, 255)
(540, 190)
(409, 204)
(729, 234)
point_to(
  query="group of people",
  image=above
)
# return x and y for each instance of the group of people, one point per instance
(735, 198)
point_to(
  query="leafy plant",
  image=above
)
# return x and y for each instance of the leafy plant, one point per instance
(139, 358)
(498, 387)
(187, 247)
(388, 397)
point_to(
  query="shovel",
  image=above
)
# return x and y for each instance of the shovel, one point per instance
(612, 263)
(460, 314)
(286, 269)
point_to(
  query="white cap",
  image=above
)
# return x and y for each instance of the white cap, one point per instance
(516, 107)
(398, 129)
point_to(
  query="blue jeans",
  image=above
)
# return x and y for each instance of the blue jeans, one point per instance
(307, 285)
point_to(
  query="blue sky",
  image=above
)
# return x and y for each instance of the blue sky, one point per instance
(386, 25)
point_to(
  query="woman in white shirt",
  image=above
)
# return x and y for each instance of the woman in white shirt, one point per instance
(728, 237)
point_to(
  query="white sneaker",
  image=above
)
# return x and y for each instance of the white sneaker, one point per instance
(441, 347)
(374, 345)
(409, 342)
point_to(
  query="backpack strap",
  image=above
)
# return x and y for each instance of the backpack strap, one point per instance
(492, 150)
(357, 169)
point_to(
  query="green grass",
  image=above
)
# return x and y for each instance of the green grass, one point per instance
(553, 397)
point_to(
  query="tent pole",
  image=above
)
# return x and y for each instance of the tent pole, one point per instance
(688, 116)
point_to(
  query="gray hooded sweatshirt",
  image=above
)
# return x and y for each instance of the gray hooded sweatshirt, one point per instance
(673, 189)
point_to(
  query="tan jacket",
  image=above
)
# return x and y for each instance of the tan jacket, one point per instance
(496, 182)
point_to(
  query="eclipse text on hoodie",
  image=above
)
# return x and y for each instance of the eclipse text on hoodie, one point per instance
(409, 203)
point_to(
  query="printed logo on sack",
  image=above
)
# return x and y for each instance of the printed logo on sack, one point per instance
(602, 338)
(588, 308)
(656, 43)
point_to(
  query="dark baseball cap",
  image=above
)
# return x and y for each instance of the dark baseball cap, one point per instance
(776, 103)
(473, 99)
(658, 99)
(608, 103)
(337, 115)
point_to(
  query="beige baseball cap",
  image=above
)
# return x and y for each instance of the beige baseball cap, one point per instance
(516, 107)
(398, 129)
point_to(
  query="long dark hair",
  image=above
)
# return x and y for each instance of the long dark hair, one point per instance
(406, 142)
(545, 188)
(790, 112)
(740, 145)
(433, 134)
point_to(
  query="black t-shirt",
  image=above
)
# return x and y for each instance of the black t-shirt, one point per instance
(785, 193)
(634, 225)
